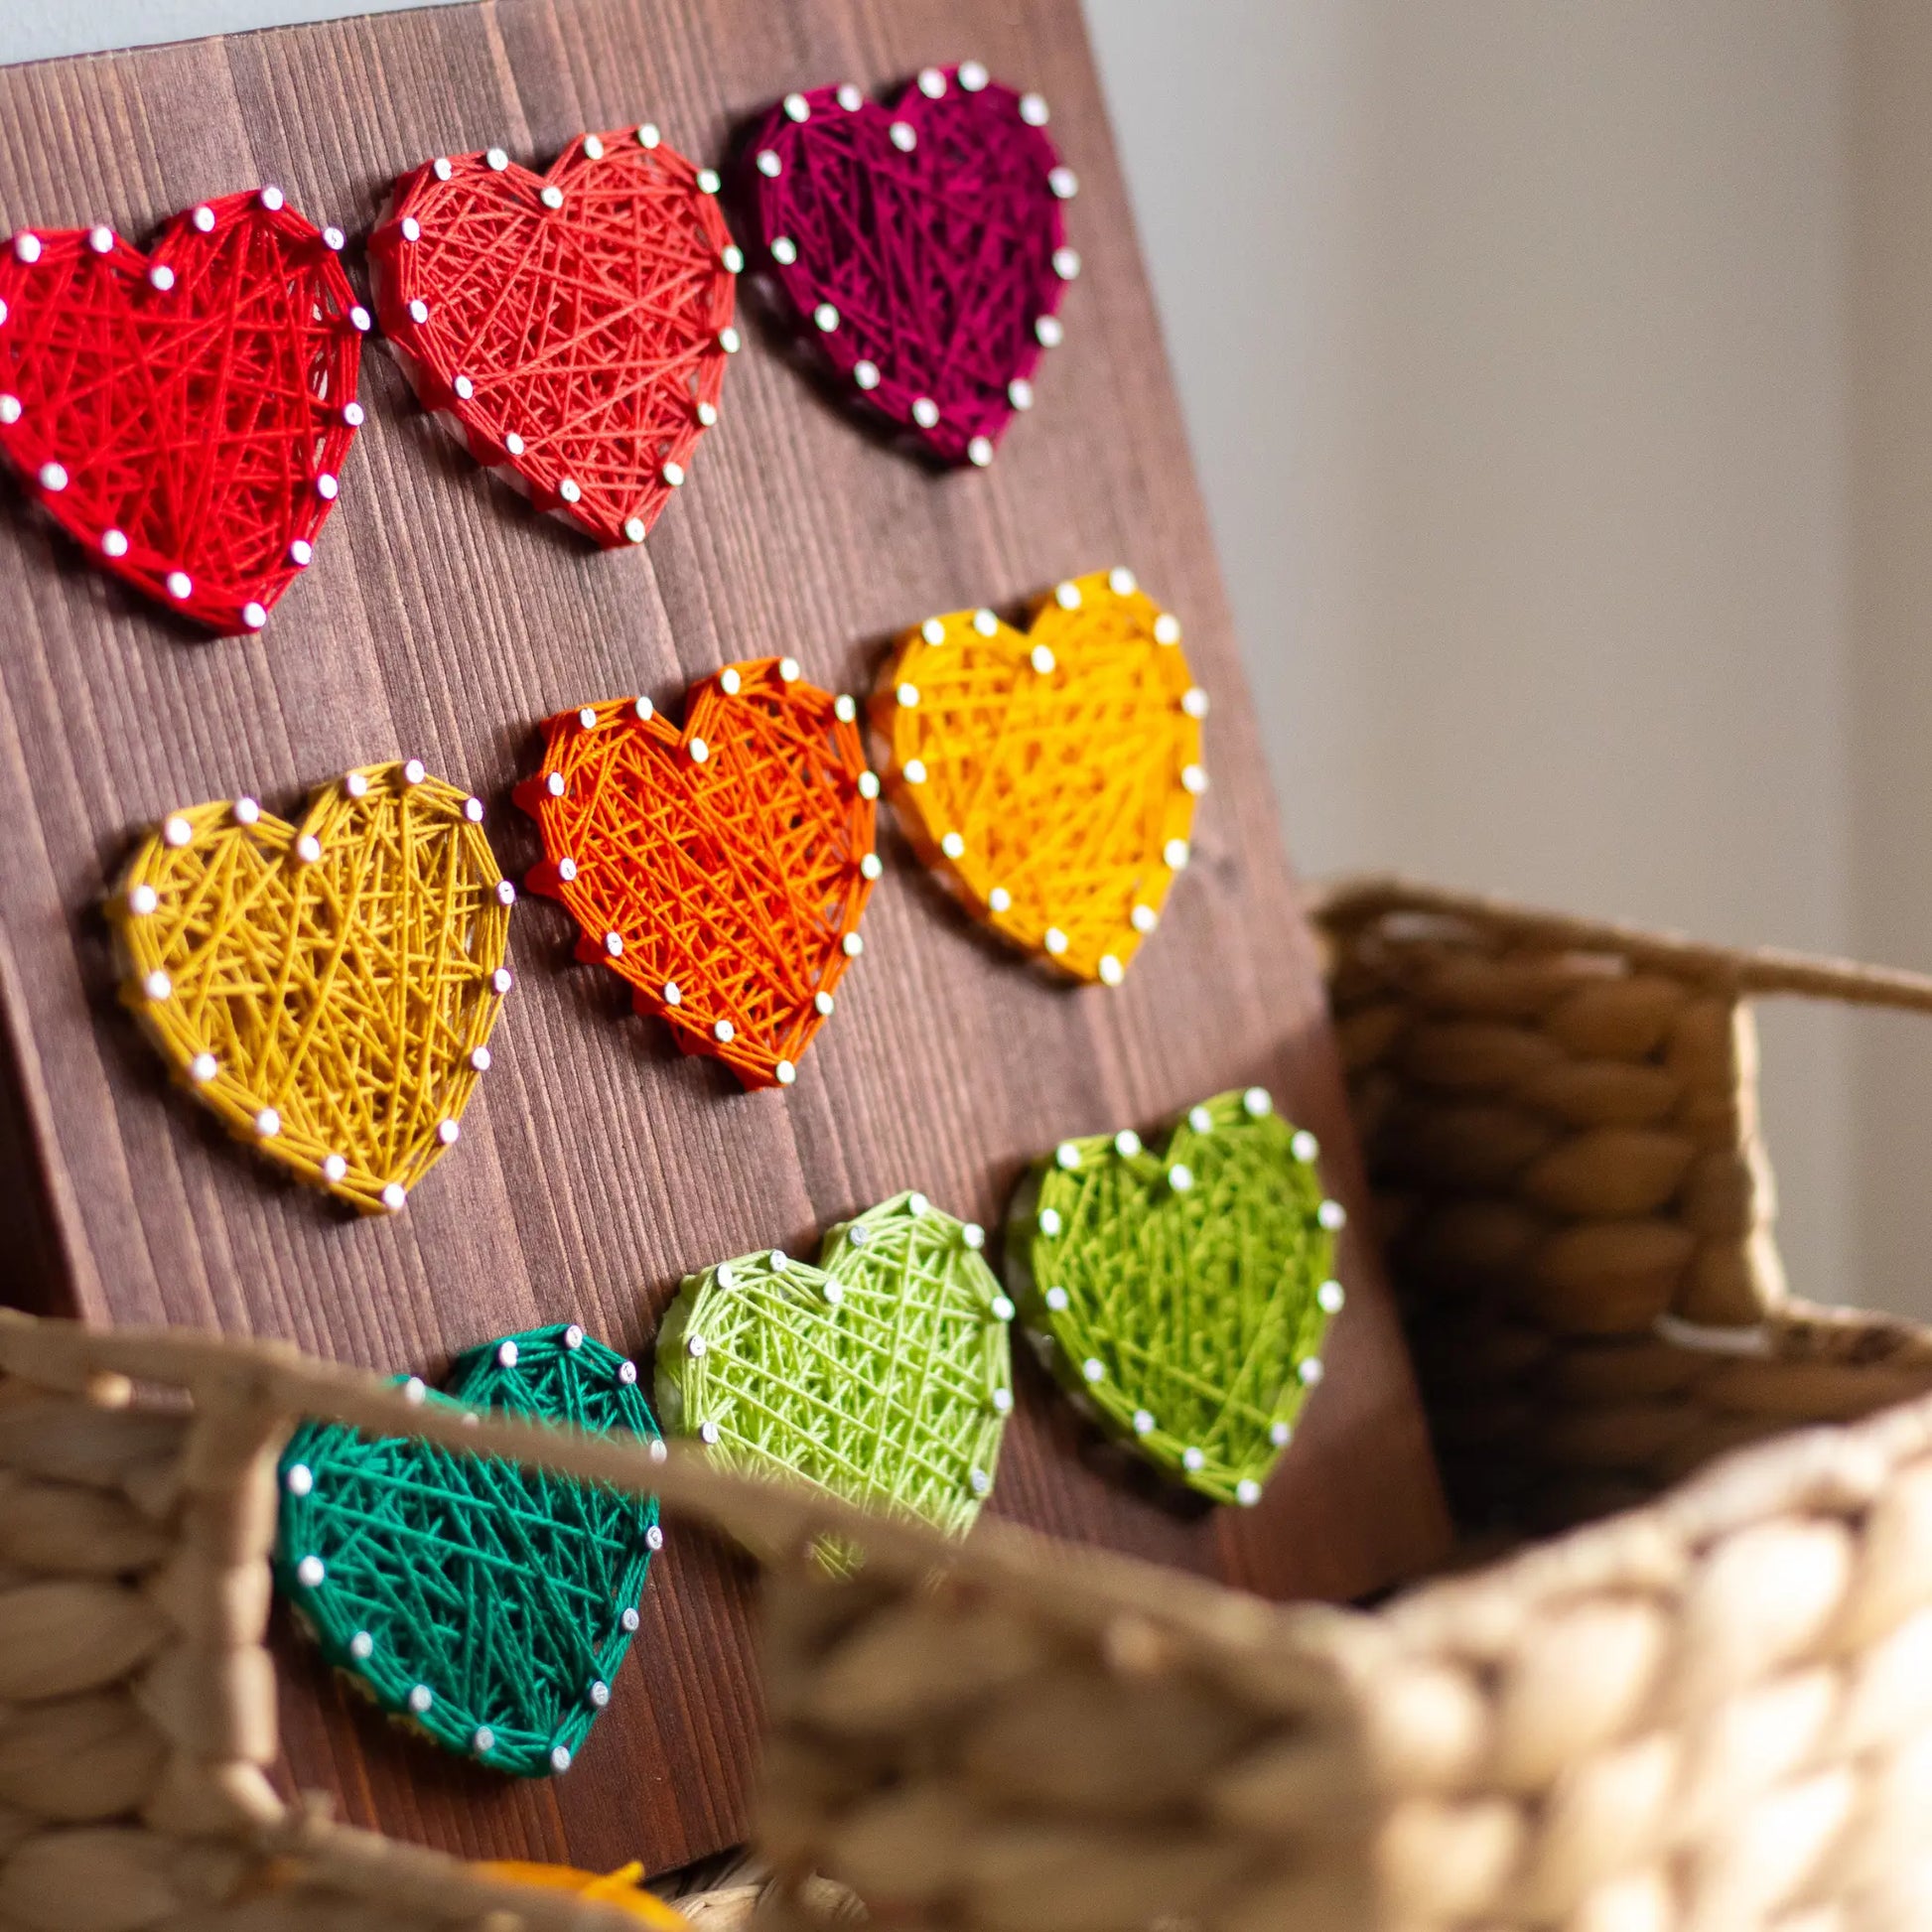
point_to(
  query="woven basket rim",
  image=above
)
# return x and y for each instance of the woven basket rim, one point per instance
(764, 1513)
(1306, 1649)
(1352, 900)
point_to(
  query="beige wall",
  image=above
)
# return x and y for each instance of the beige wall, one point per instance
(1890, 869)
(1515, 340)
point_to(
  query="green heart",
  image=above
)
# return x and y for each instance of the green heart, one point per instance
(485, 1604)
(1182, 1295)
(883, 1374)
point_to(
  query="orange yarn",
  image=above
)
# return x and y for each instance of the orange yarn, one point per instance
(1050, 777)
(721, 869)
(325, 988)
(622, 1890)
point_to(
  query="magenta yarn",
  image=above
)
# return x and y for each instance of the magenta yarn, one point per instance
(921, 246)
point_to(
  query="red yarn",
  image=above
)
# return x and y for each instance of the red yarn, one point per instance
(184, 414)
(921, 246)
(573, 325)
(721, 869)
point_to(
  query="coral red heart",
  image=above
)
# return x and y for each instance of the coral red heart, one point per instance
(921, 246)
(184, 414)
(572, 326)
(721, 869)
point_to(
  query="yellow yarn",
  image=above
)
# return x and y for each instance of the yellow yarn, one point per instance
(325, 988)
(619, 1888)
(1050, 774)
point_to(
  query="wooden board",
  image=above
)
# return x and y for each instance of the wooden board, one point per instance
(442, 619)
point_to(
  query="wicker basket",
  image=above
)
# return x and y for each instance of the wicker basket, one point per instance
(1562, 1130)
(1708, 1714)
(1713, 1711)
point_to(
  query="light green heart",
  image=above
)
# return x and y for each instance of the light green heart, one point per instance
(881, 1374)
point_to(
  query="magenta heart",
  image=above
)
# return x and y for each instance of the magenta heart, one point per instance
(921, 246)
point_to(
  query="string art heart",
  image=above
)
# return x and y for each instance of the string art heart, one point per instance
(326, 989)
(883, 1374)
(572, 326)
(1181, 1293)
(1050, 775)
(485, 1604)
(719, 870)
(184, 414)
(920, 245)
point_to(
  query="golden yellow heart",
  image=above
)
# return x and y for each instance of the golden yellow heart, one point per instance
(1050, 775)
(329, 988)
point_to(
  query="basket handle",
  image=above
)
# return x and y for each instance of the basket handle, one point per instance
(1358, 900)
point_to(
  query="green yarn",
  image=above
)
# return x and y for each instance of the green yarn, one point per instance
(484, 1603)
(1182, 1295)
(883, 1374)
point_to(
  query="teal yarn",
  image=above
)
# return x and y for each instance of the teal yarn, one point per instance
(485, 1605)
(883, 1374)
(1180, 1293)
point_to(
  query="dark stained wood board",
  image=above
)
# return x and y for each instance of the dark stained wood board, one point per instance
(442, 619)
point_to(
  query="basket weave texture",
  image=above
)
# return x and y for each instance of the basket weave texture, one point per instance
(1562, 1129)
(1711, 1712)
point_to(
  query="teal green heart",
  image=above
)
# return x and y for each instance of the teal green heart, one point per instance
(485, 1604)
(1180, 1293)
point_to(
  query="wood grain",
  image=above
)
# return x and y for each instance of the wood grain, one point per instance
(442, 619)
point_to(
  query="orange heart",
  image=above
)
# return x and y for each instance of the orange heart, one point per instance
(720, 869)
(1051, 775)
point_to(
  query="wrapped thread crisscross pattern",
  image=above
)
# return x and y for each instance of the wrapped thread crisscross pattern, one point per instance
(921, 246)
(185, 414)
(1050, 775)
(881, 1374)
(575, 324)
(327, 987)
(718, 870)
(485, 1604)
(1182, 1293)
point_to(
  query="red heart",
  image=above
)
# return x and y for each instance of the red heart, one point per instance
(574, 325)
(719, 870)
(925, 244)
(184, 414)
